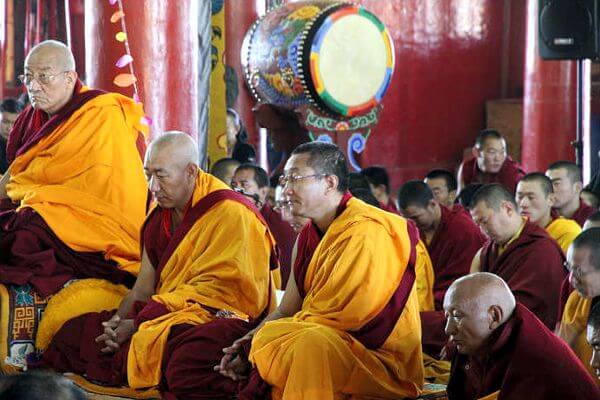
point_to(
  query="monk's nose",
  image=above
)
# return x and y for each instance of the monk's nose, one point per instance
(450, 328)
(153, 185)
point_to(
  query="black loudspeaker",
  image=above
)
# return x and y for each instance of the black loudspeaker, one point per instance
(568, 29)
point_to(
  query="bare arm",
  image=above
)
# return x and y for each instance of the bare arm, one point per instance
(142, 289)
(476, 263)
(3, 182)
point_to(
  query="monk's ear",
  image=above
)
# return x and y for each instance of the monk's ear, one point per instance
(551, 199)
(452, 196)
(578, 187)
(332, 182)
(476, 152)
(496, 316)
(191, 170)
(71, 77)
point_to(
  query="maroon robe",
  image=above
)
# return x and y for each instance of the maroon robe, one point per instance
(532, 266)
(390, 206)
(524, 361)
(452, 248)
(30, 252)
(509, 175)
(284, 236)
(583, 213)
(192, 351)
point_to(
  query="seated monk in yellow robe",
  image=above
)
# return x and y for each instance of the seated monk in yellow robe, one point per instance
(348, 324)
(584, 265)
(535, 199)
(74, 198)
(76, 173)
(205, 280)
(503, 351)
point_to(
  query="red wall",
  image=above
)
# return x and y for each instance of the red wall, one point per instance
(448, 63)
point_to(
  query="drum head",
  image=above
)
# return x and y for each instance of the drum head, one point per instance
(351, 61)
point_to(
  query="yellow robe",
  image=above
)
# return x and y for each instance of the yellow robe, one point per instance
(564, 231)
(352, 274)
(573, 327)
(86, 180)
(222, 262)
(424, 278)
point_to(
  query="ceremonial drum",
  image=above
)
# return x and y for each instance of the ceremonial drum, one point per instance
(336, 56)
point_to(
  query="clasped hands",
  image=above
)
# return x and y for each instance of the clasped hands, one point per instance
(116, 332)
(234, 364)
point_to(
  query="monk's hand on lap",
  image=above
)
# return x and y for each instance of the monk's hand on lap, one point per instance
(124, 330)
(233, 364)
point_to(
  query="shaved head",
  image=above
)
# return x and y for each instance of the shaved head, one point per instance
(57, 51)
(179, 144)
(171, 167)
(475, 306)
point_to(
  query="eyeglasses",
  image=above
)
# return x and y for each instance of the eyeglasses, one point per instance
(292, 179)
(42, 78)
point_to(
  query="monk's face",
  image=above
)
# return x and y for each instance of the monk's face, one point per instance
(491, 156)
(49, 85)
(593, 338)
(424, 217)
(244, 180)
(468, 322)
(440, 190)
(7, 122)
(305, 189)
(584, 276)
(532, 202)
(494, 223)
(565, 191)
(170, 182)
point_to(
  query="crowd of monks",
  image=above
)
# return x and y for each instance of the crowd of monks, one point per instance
(161, 276)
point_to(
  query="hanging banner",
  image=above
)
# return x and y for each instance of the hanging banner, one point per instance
(217, 137)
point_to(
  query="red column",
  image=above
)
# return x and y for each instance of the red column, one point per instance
(549, 103)
(163, 37)
(238, 19)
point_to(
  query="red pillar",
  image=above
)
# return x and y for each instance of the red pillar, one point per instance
(549, 103)
(238, 19)
(163, 37)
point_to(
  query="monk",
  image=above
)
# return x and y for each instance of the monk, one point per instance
(503, 351)
(567, 185)
(583, 261)
(9, 111)
(443, 185)
(224, 169)
(253, 182)
(204, 281)
(348, 324)
(490, 163)
(593, 221)
(519, 251)
(593, 338)
(452, 240)
(535, 198)
(75, 191)
(380, 186)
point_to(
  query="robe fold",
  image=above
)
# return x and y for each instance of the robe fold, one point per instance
(572, 327)
(358, 331)
(582, 213)
(81, 173)
(284, 236)
(564, 231)
(522, 360)
(509, 175)
(532, 266)
(452, 248)
(214, 284)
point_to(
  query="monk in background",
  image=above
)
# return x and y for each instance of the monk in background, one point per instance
(380, 186)
(348, 324)
(519, 251)
(452, 240)
(535, 199)
(503, 351)
(253, 182)
(567, 185)
(204, 281)
(490, 163)
(224, 169)
(583, 262)
(443, 185)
